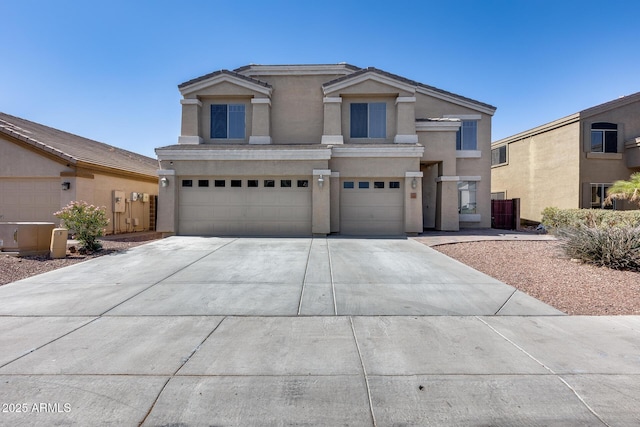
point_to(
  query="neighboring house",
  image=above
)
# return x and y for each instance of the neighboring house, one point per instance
(570, 162)
(43, 169)
(319, 149)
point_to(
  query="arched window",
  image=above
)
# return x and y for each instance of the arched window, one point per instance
(604, 137)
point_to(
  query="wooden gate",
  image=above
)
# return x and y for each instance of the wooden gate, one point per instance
(505, 214)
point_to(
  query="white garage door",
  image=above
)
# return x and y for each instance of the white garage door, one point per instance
(371, 207)
(29, 199)
(258, 206)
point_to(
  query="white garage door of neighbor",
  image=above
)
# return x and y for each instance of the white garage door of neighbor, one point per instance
(371, 206)
(29, 199)
(245, 207)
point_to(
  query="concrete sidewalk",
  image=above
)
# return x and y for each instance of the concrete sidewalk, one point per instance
(212, 331)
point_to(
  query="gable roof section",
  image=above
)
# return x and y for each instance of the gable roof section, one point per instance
(407, 84)
(222, 76)
(610, 105)
(572, 118)
(76, 150)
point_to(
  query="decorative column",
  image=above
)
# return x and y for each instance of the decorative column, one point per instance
(167, 219)
(321, 202)
(413, 202)
(406, 120)
(332, 131)
(191, 113)
(335, 202)
(261, 121)
(447, 216)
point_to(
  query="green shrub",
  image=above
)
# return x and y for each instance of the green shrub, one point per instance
(556, 218)
(87, 222)
(614, 247)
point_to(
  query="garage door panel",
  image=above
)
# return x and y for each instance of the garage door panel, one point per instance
(245, 210)
(371, 211)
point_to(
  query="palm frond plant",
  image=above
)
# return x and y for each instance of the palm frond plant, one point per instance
(625, 190)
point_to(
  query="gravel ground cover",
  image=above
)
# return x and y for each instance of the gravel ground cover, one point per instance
(538, 268)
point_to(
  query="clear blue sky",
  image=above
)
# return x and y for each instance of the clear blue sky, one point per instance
(109, 70)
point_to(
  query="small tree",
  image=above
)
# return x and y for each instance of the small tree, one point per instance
(625, 190)
(87, 221)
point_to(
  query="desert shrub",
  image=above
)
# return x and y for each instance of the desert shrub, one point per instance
(556, 218)
(614, 247)
(88, 222)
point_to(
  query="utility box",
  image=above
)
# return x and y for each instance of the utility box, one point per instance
(58, 243)
(118, 201)
(26, 238)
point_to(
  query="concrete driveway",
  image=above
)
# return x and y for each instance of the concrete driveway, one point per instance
(224, 331)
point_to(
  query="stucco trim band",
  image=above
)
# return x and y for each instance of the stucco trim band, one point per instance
(468, 154)
(405, 139)
(190, 140)
(259, 140)
(240, 154)
(415, 151)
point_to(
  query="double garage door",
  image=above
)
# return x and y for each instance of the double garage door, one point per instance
(272, 206)
(282, 206)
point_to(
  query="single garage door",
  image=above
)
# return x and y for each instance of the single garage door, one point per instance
(257, 206)
(371, 207)
(29, 199)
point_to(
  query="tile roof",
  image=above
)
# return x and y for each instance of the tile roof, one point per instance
(75, 149)
(220, 72)
(407, 81)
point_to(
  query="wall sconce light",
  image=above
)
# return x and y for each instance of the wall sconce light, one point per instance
(66, 185)
(320, 181)
(164, 181)
(414, 183)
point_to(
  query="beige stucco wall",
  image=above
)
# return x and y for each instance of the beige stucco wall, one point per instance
(606, 168)
(542, 170)
(29, 172)
(371, 167)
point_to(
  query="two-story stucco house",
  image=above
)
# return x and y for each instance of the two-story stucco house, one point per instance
(320, 149)
(572, 161)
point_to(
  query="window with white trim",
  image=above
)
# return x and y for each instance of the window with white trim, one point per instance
(467, 135)
(227, 121)
(604, 137)
(598, 196)
(369, 120)
(467, 197)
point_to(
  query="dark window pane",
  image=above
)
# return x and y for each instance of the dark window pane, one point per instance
(285, 183)
(378, 184)
(348, 184)
(377, 120)
(187, 183)
(303, 183)
(363, 184)
(469, 140)
(218, 120)
(597, 137)
(252, 183)
(359, 120)
(611, 141)
(394, 184)
(269, 183)
(203, 183)
(236, 121)
(604, 125)
(236, 183)
(219, 183)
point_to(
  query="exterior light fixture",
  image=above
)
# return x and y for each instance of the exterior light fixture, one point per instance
(320, 181)
(164, 181)
(414, 183)
(66, 185)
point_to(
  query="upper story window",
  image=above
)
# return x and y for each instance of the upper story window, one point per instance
(604, 138)
(467, 136)
(227, 121)
(369, 120)
(499, 155)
